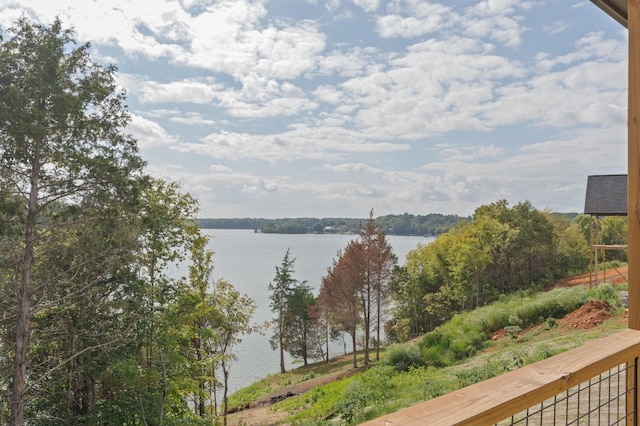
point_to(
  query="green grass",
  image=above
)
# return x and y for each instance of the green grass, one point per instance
(274, 382)
(455, 355)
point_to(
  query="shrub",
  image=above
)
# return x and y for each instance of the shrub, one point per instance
(379, 383)
(551, 323)
(403, 357)
(513, 331)
(478, 374)
(468, 332)
(607, 293)
(353, 400)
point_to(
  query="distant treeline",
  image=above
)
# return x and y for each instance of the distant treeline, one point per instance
(404, 224)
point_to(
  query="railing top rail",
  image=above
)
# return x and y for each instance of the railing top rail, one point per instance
(495, 399)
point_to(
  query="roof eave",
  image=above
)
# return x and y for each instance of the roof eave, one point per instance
(617, 9)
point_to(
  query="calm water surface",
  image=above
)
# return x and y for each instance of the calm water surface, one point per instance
(248, 260)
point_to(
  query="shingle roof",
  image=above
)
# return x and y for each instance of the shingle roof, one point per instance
(606, 195)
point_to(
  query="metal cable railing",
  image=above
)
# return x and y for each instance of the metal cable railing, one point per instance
(602, 400)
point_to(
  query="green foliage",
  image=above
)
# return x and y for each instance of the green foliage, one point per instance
(113, 338)
(405, 224)
(478, 374)
(309, 376)
(354, 400)
(608, 293)
(320, 403)
(293, 326)
(68, 166)
(513, 331)
(373, 387)
(503, 250)
(466, 333)
(403, 357)
(397, 389)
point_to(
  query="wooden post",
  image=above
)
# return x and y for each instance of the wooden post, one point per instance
(633, 174)
(595, 250)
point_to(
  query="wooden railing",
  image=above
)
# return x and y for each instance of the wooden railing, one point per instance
(511, 395)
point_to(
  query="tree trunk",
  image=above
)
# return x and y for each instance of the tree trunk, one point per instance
(367, 324)
(22, 334)
(213, 390)
(378, 302)
(327, 343)
(280, 339)
(305, 355)
(197, 347)
(18, 387)
(225, 398)
(353, 339)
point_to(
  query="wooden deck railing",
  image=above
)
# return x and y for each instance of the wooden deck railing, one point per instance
(513, 393)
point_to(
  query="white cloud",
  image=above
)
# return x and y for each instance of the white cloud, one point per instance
(300, 143)
(192, 118)
(334, 107)
(367, 5)
(419, 19)
(149, 133)
(352, 168)
(185, 91)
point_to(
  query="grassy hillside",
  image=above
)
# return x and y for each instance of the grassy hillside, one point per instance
(473, 346)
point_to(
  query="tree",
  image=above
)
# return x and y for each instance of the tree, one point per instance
(500, 251)
(84, 317)
(379, 262)
(573, 250)
(155, 362)
(300, 327)
(61, 139)
(614, 231)
(191, 321)
(235, 311)
(321, 328)
(281, 287)
(339, 294)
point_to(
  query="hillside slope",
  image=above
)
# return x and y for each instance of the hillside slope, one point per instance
(591, 321)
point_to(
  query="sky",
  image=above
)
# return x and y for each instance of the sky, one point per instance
(335, 108)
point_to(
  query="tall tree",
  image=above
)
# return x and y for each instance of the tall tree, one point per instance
(191, 320)
(167, 231)
(235, 313)
(379, 262)
(281, 287)
(61, 138)
(340, 293)
(300, 330)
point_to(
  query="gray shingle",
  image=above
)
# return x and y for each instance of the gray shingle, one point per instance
(606, 195)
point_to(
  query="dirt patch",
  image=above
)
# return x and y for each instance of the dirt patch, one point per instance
(614, 275)
(304, 387)
(587, 316)
(497, 335)
(263, 413)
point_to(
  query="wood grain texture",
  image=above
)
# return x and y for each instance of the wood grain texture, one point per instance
(633, 183)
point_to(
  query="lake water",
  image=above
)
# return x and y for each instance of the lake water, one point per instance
(248, 260)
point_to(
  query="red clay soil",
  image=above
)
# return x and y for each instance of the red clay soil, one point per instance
(587, 316)
(615, 275)
(593, 313)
